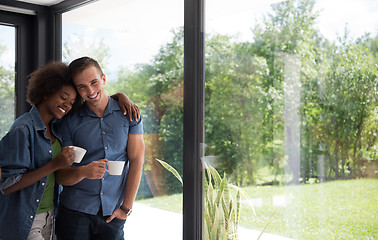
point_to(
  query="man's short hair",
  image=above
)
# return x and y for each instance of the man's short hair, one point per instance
(80, 64)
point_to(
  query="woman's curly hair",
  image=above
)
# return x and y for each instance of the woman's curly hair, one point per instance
(47, 80)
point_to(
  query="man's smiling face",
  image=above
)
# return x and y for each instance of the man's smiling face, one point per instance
(90, 85)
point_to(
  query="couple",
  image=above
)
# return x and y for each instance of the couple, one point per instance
(35, 154)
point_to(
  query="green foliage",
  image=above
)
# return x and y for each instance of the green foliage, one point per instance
(333, 79)
(79, 46)
(222, 208)
(232, 122)
(171, 169)
(157, 88)
(348, 99)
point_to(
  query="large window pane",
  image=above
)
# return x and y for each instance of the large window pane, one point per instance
(291, 119)
(139, 45)
(7, 78)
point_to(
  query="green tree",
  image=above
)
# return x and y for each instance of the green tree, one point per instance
(288, 34)
(79, 46)
(158, 89)
(349, 98)
(233, 107)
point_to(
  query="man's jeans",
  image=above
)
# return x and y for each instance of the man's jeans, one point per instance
(73, 225)
(42, 226)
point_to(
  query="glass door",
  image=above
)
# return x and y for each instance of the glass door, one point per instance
(139, 45)
(291, 119)
(7, 79)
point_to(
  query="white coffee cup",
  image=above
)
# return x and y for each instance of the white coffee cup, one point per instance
(79, 153)
(115, 167)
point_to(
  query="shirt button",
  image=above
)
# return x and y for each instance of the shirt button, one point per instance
(106, 147)
(102, 119)
(43, 184)
(31, 216)
(37, 200)
(102, 193)
(103, 178)
(50, 151)
(103, 133)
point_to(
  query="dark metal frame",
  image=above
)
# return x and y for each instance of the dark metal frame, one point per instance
(34, 47)
(39, 40)
(24, 61)
(193, 118)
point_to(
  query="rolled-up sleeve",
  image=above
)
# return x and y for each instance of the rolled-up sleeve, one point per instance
(136, 126)
(14, 156)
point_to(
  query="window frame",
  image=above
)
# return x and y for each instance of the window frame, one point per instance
(35, 31)
(194, 100)
(24, 62)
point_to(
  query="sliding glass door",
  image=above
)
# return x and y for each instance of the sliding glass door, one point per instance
(140, 46)
(291, 119)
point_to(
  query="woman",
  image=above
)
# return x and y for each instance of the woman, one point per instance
(30, 153)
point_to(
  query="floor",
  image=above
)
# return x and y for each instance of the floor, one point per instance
(147, 223)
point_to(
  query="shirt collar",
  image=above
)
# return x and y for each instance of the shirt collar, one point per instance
(112, 106)
(36, 117)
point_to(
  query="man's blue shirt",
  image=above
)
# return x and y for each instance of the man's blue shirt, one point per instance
(104, 138)
(24, 148)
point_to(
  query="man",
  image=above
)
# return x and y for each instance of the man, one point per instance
(94, 204)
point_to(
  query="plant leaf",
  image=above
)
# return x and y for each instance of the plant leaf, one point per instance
(171, 169)
(245, 194)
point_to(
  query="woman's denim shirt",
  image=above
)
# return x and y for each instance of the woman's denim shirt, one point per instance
(24, 148)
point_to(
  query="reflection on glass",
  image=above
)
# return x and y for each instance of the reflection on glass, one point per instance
(139, 45)
(7, 78)
(291, 119)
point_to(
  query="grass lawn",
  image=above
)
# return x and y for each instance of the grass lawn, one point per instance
(345, 209)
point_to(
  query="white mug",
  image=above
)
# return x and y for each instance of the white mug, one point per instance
(79, 153)
(115, 167)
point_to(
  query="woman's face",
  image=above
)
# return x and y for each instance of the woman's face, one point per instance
(60, 103)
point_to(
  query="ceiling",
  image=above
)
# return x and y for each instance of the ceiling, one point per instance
(42, 2)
